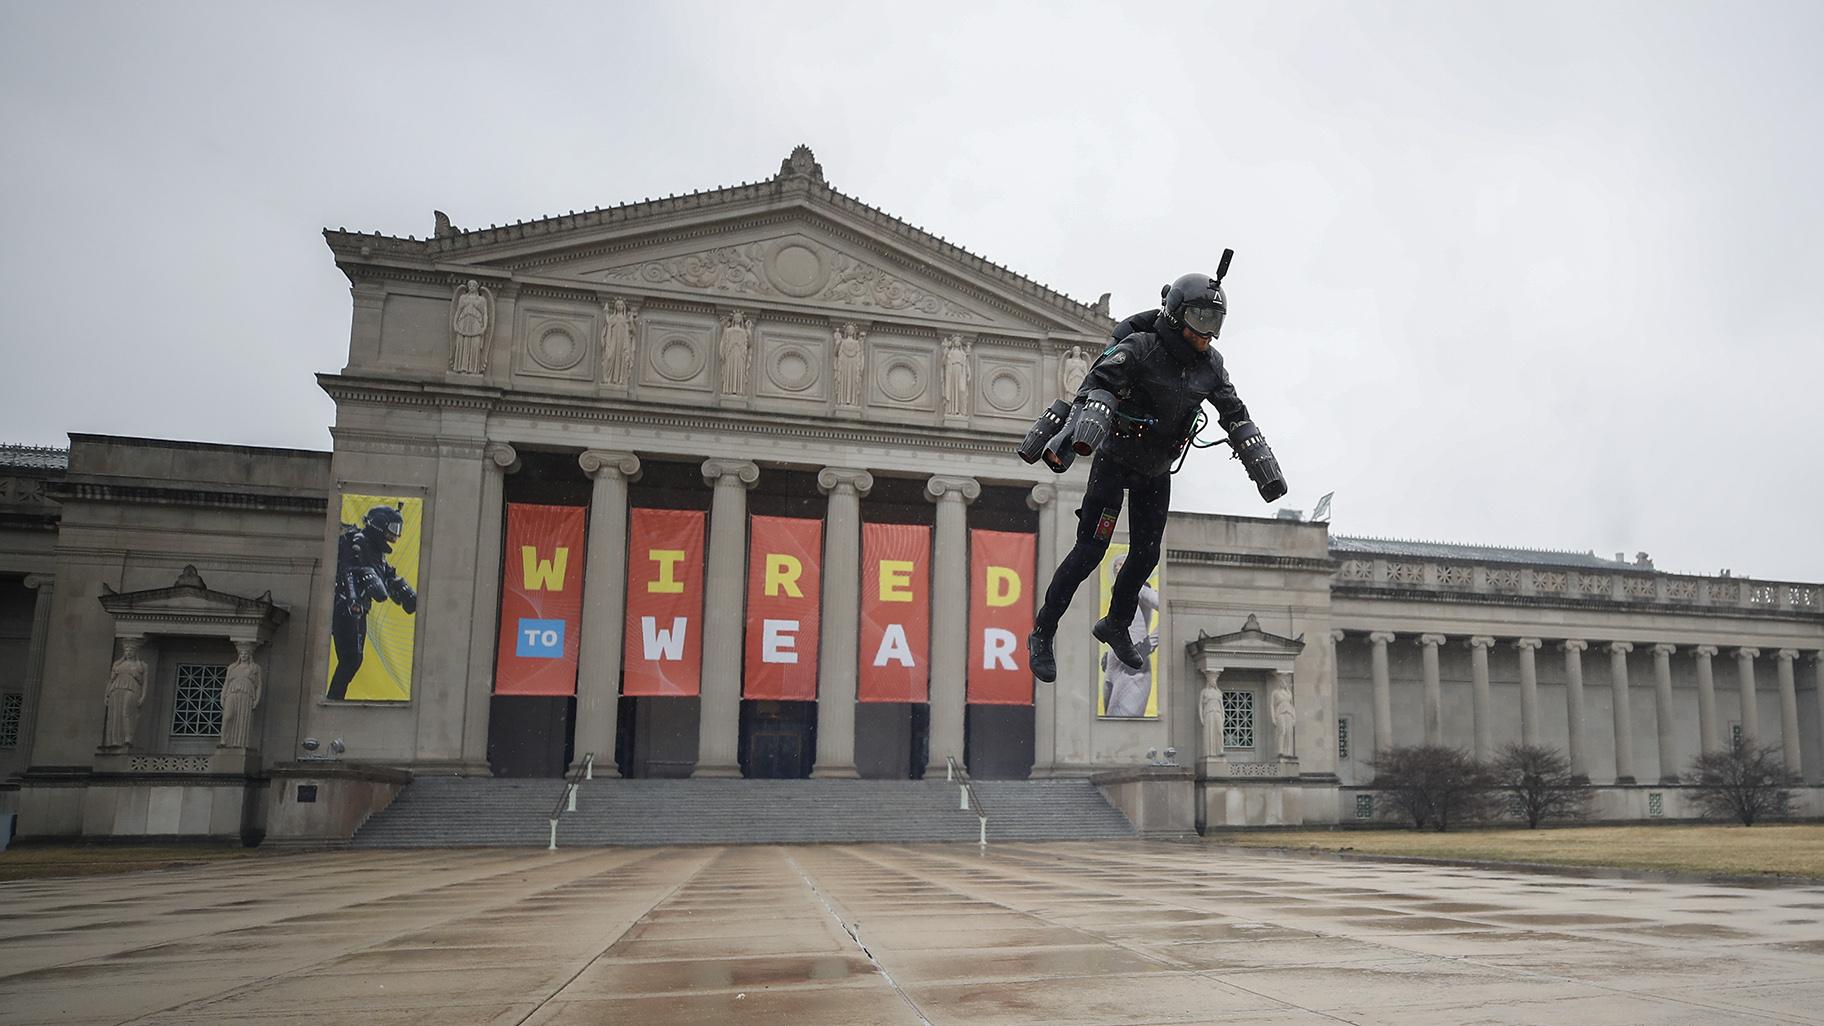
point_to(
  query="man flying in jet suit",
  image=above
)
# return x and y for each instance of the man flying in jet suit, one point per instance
(363, 577)
(1137, 411)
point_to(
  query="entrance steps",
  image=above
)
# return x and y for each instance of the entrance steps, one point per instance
(439, 812)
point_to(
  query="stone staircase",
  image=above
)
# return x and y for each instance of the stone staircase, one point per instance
(439, 812)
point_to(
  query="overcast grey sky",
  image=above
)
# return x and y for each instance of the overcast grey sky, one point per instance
(1521, 274)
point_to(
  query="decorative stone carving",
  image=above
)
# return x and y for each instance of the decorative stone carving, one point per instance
(1356, 570)
(617, 343)
(859, 284)
(557, 347)
(956, 376)
(1405, 573)
(1209, 714)
(736, 339)
(848, 344)
(1504, 580)
(1072, 372)
(801, 164)
(126, 690)
(242, 690)
(795, 267)
(168, 764)
(1285, 717)
(471, 315)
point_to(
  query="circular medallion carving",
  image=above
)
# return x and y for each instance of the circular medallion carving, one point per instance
(677, 359)
(1006, 390)
(557, 348)
(797, 267)
(901, 381)
(793, 369)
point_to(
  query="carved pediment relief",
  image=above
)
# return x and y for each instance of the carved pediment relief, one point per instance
(190, 607)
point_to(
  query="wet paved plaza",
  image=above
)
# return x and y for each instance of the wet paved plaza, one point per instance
(1126, 933)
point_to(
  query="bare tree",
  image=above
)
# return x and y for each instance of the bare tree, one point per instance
(1537, 780)
(1747, 782)
(1432, 785)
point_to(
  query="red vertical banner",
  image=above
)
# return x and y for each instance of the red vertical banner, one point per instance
(784, 592)
(541, 600)
(663, 654)
(895, 613)
(1001, 580)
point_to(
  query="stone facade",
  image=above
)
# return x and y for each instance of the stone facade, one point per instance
(783, 348)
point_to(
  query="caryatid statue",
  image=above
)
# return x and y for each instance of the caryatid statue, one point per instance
(617, 343)
(1209, 713)
(848, 366)
(1285, 717)
(735, 338)
(242, 689)
(956, 376)
(126, 690)
(471, 315)
(1072, 372)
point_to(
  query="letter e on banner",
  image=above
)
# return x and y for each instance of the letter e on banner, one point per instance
(895, 613)
(784, 589)
(663, 651)
(1000, 616)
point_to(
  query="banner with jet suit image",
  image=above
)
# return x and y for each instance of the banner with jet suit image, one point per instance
(1000, 616)
(541, 600)
(663, 654)
(784, 592)
(895, 613)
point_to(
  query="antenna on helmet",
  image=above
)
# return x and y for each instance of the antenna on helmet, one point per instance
(1222, 269)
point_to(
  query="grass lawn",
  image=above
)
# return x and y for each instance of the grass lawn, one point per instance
(1795, 850)
(37, 862)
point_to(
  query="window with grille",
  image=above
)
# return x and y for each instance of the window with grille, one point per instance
(1364, 806)
(197, 712)
(11, 707)
(1342, 738)
(1656, 804)
(1735, 734)
(1238, 719)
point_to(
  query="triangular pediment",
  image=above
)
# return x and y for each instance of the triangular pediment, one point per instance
(1251, 640)
(190, 607)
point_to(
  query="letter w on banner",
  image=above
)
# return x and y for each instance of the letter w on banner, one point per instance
(541, 600)
(1000, 617)
(663, 654)
(784, 589)
(895, 613)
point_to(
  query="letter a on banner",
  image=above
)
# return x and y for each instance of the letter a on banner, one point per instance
(1000, 617)
(895, 613)
(663, 654)
(541, 600)
(784, 587)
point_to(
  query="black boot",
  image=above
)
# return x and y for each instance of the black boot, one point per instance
(1114, 635)
(1044, 664)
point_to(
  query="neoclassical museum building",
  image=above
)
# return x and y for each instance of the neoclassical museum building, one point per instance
(723, 484)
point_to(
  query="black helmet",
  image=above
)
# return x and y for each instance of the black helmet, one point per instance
(387, 521)
(1195, 300)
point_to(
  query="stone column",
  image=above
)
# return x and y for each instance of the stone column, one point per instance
(498, 460)
(1706, 699)
(598, 658)
(1573, 707)
(837, 666)
(1817, 702)
(46, 587)
(1789, 713)
(1478, 671)
(949, 616)
(1043, 498)
(1744, 670)
(1434, 689)
(1624, 733)
(1383, 692)
(725, 594)
(1662, 711)
(1529, 691)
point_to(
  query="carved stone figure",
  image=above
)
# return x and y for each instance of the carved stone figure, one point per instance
(1285, 716)
(126, 690)
(242, 690)
(1209, 713)
(471, 315)
(734, 348)
(956, 376)
(1074, 369)
(848, 366)
(617, 343)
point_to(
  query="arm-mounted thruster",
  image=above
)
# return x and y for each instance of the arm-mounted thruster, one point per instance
(1092, 423)
(1059, 454)
(1257, 458)
(1049, 423)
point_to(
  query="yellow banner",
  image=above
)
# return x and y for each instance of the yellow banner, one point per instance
(1120, 692)
(374, 599)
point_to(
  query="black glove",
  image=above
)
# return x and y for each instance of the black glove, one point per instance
(1257, 458)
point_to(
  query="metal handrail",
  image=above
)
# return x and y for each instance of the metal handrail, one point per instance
(970, 801)
(566, 801)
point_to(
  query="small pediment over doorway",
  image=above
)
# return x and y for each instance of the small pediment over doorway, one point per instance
(189, 607)
(1249, 647)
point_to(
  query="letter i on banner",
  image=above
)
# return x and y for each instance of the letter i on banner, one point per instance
(784, 589)
(541, 600)
(895, 613)
(663, 654)
(1000, 616)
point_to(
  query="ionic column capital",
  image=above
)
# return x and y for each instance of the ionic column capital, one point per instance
(1041, 495)
(1432, 640)
(37, 581)
(1704, 651)
(1620, 647)
(1573, 645)
(741, 472)
(1481, 641)
(832, 480)
(1381, 637)
(503, 456)
(963, 489)
(1528, 643)
(1663, 649)
(1338, 635)
(1788, 654)
(609, 463)
(1747, 653)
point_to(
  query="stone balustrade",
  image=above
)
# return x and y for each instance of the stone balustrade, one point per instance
(1622, 585)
